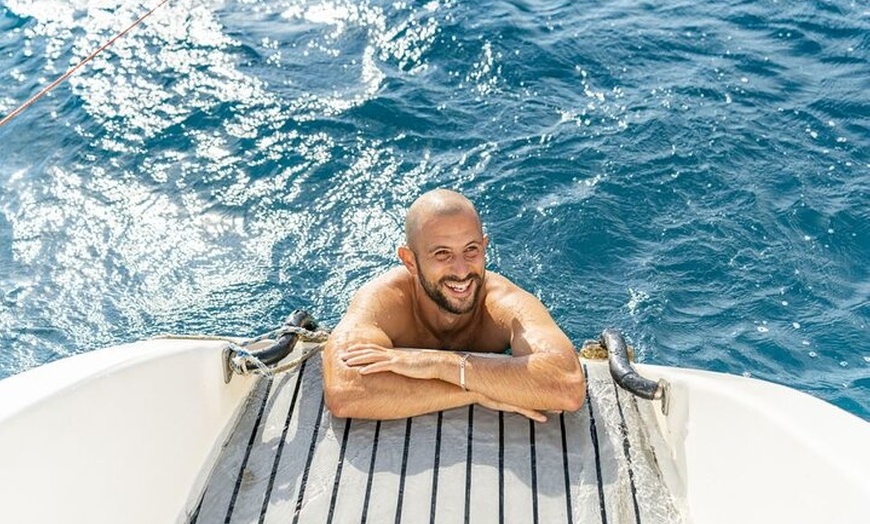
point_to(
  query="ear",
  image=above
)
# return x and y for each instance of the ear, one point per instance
(408, 259)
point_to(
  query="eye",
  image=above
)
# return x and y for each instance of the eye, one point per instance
(472, 251)
(442, 255)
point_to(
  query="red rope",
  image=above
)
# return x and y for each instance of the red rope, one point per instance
(69, 73)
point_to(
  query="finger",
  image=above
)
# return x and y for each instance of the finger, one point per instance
(534, 415)
(358, 354)
(366, 345)
(357, 348)
(537, 416)
(377, 367)
(361, 360)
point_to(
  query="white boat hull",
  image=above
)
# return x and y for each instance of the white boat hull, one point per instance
(133, 433)
(115, 435)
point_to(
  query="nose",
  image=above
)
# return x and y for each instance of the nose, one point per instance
(460, 267)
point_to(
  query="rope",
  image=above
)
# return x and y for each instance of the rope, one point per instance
(75, 68)
(293, 364)
(240, 362)
(306, 335)
(245, 363)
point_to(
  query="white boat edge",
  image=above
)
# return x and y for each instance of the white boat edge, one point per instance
(120, 434)
(747, 450)
(130, 434)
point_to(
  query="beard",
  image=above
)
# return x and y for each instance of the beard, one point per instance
(434, 291)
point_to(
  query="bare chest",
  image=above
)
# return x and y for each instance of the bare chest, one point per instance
(479, 336)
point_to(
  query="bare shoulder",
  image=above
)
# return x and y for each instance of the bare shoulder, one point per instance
(521, 313)
(380, 302)
(505, 297)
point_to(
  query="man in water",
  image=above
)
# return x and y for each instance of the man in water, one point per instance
(386, 359)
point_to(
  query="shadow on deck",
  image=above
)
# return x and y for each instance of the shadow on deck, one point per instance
(289, 460)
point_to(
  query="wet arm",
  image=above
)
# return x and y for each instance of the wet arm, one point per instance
(539, 381)
(543, 374)
(350, 393)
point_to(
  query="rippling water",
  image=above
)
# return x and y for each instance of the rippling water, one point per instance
(696, 174)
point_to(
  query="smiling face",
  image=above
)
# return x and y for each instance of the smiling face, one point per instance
(451, 263)
(445, 250)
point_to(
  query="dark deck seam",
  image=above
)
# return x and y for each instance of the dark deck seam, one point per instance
(436, 467)
(244, 465)
(501, 466)
(566, 470)
(338, 469)
(468, 460)
(307, 469)
(371, 473)
(278, 454)
(626, 448)
(533, 464)
(593, 430)
(195, 516)
(404, 471)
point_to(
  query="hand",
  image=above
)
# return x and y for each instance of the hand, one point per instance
(487, 402)
(373, 358)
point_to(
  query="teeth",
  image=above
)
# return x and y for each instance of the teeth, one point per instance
(459, 288)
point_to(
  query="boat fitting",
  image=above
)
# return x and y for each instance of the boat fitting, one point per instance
(626, 376)
(274, 353)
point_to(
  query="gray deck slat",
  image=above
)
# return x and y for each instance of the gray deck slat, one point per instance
(518, 505)
(355, 471)
(418, 476)
(654, 500)
(288, 477)
(388, 463)
(617, 485)
(255, 479)
(582, 472)
(450, 500)
(346, 490)
(552, 506)
(321, 473)
(484, 470)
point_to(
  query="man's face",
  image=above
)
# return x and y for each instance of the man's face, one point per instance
(451, 262)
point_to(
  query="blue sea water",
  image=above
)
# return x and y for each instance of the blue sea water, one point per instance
(694, 173)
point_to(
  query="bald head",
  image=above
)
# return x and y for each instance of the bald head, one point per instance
(435, 204)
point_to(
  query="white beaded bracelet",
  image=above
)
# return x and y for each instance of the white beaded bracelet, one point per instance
(462, 371)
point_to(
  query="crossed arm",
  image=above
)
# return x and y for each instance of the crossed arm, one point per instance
(366, 377)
